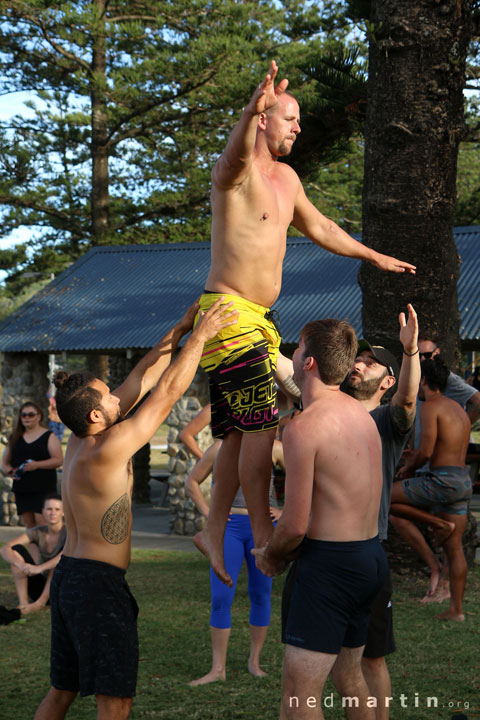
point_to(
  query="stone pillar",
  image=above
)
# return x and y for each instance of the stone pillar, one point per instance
(186, 520)
(99, 366)
(24, 377)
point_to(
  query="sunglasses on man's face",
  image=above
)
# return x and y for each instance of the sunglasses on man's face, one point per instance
(28, 414)
(427, 355)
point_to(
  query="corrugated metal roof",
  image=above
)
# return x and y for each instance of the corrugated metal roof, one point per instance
(468, 246)
(121, 297)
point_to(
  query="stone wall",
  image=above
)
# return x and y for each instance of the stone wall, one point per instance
(24, 376)
(9, 514)
(186, 520)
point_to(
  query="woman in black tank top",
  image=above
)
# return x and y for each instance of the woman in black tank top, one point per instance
(31, 457)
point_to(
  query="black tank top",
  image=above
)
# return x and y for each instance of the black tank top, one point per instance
(36, 481)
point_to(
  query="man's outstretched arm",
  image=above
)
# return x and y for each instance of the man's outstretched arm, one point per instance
(127, 437)
(148, 371)
(329, 235)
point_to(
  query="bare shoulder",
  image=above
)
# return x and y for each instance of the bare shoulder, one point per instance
(431, 409)
(117, 443)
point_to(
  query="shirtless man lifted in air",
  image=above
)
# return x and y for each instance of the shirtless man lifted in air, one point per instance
(94, 647)
(254, 200)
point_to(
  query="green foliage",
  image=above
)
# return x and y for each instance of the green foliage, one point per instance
(468, 185)
(433, 659)
(166, 81)
(336, 188)
(332, 96)
(10, 302)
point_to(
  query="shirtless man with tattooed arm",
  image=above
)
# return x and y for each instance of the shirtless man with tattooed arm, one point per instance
(94, 647)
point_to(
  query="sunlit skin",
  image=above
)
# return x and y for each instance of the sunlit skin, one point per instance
(254, 201)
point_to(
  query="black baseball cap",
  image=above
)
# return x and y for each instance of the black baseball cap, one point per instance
(384, 356)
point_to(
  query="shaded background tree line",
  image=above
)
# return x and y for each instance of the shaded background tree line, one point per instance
(134, 101)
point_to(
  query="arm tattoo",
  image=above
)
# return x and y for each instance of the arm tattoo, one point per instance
(115, 521)
(402, 419)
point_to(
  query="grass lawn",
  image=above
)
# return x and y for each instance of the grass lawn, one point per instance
(434, 659)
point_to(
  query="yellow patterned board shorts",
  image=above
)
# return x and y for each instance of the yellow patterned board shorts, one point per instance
(241, 362)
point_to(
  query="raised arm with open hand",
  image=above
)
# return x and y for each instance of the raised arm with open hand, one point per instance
(220, 315)
(266, 94)
(403, 403)
(409, 330)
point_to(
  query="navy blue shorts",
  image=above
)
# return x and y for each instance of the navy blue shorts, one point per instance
(94, 629)
(381, 640)
(329, 592)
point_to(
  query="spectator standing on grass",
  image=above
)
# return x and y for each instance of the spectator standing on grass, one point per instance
(31, 457)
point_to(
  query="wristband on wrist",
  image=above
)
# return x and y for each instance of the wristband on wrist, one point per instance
(410, 354)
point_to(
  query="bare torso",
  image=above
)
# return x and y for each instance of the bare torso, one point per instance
(344, 442)
(249, 229)
(451, 424)
(96, 492)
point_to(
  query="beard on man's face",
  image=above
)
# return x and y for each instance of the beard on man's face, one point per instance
(112, 418)
(362, 389)
(285, 149)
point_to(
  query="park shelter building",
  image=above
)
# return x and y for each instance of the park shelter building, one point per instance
(122, 298)
(116, 302)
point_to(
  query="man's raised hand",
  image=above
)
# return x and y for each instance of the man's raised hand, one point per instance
(266, 94)
(215, 318)
(409, 330)
(186, 322)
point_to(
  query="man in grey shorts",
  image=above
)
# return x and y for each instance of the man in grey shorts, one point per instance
(446, 488)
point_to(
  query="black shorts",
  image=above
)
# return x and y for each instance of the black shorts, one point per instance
(380, 640)
(36, 583)
(94, 629)
(329, 592)
(29, 502)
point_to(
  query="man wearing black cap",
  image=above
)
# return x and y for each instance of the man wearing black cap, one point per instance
(374, 373)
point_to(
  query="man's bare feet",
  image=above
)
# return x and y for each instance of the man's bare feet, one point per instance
(212, 676)
(434, 578)
(215, 557)
(255, 669)
(441, 594)
(29, 608)
(450, 615)
(443, 533)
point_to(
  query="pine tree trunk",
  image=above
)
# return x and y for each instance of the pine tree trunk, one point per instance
(100, 190)
(414, 125)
